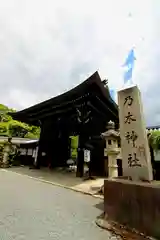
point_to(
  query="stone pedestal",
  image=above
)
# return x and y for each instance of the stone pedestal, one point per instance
(112, 151)
(112, 164)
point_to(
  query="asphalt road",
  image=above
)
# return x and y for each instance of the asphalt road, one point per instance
(33, 210)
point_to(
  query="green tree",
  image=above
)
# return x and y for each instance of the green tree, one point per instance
(154, 140)
(17, 129)
(4, 117)
(10, 127)
(35, 131)
(3, 129)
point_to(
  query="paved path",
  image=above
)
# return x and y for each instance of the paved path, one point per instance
(33, 210)
(62, 178)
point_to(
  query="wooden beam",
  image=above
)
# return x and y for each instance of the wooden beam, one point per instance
(96, 110)
(105, 107)
(61, 106)
(56, 113)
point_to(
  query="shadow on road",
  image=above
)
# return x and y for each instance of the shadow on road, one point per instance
(100, 206)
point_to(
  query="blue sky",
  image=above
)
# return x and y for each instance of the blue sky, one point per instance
(48, 47)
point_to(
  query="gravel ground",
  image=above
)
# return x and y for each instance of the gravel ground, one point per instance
(33, 210)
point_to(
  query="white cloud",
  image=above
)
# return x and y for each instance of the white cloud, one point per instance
(48, 46)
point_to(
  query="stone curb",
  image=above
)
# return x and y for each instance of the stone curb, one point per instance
(55, 184)
(102, 223)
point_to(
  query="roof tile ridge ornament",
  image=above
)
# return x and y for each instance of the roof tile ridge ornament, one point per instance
(105, 82)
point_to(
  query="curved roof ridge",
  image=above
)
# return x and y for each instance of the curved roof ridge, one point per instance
(93, 78)
(94, 81)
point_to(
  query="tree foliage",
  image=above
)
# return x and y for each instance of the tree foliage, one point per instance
(154, 140)
(13, 128)
(3, 129)
(18, 129)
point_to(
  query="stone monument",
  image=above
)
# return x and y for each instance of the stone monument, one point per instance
(136, 160)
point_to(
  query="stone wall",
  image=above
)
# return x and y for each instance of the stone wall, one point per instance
(136, 205)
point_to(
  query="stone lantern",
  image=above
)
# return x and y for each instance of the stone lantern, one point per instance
(6, 151)
(111, 137)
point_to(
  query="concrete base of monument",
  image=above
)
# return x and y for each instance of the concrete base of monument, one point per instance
(135, 205)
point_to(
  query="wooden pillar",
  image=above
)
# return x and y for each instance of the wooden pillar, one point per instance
(80, 159)
(37, 164)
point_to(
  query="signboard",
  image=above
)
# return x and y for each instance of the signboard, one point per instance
(157, 155)
(35, 155)
(22, 151)
(74, 146)
(136, 160)
(86, 155)
(30, 152)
